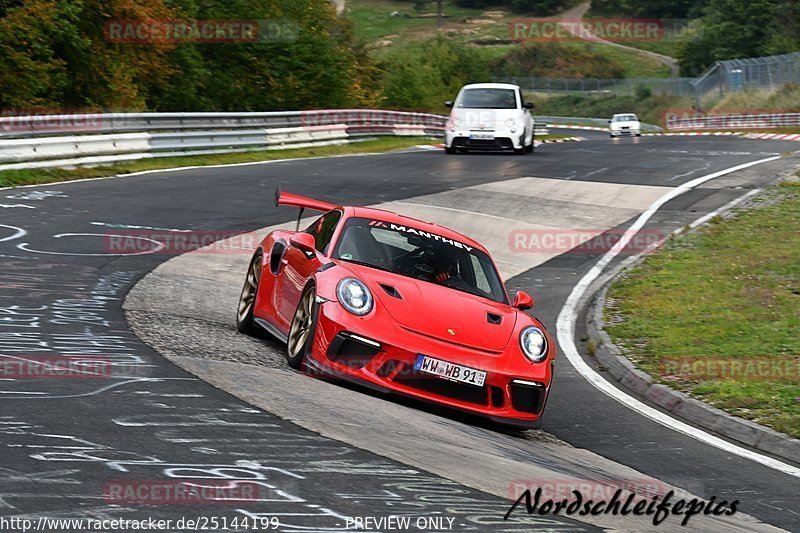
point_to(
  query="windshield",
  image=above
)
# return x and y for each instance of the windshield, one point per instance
(488, 99)
(419, 254)
(624, 118)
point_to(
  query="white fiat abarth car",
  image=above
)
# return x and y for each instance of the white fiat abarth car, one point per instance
(489, 116)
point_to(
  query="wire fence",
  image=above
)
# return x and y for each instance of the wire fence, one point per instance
(722, 78)
(614, 86)
(725, 77)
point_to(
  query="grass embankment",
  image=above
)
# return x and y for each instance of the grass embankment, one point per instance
(13, 178)
(786, 99)
(728, 292)
(393, 28)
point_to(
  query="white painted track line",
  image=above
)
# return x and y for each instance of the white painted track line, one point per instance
(568, 316)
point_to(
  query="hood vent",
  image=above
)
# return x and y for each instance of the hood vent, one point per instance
(391, 291)
(493, 318)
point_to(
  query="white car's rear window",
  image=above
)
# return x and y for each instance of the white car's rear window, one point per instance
(488, 99)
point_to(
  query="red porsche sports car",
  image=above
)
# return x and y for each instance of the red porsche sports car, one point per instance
(401, 306)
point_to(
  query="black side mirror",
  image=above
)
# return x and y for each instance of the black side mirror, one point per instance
(448, 104)
(528, 105)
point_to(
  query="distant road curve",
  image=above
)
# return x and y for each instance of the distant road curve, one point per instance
(577, 13)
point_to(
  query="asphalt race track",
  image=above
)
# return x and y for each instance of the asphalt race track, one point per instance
(320, 452)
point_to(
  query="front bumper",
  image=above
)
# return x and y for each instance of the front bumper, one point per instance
(625, 132)
(515, 391)
(502, 140)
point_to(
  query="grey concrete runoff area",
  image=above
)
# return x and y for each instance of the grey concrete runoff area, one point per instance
(191, 398)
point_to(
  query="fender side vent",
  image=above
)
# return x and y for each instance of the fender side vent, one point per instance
(391, 291)
(493, 319)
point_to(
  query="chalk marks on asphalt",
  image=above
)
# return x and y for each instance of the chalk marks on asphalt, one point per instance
(157, 246)
(36, 195)
(17, 233)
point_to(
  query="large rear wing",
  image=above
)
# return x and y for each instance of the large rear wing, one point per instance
(286, 198)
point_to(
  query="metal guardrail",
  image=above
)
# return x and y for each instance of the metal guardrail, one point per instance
(90, 139)
(41, 141)
(728, 122)
(96, 123)
(595, 123)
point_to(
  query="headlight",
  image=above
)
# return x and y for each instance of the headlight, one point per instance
(456, 122)
(533, 343)
(354, 296)
(510, 123)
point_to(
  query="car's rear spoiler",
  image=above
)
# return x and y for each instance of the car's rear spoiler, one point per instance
(286, 198)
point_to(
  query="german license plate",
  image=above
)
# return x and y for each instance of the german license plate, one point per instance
(482, 136)
(449, 371)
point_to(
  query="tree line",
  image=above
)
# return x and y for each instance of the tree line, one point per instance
(720, 29)
(58, 54)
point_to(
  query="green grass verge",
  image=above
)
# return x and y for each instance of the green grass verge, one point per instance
(373, 20)
(13, 178)
(730, 291)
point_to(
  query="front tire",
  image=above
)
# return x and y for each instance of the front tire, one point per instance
(450, 150)
(247, 299)
(522, 149)
(301, 331)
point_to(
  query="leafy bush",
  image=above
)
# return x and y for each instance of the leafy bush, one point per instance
(555, 60)
(424, 75)
(642, 92)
